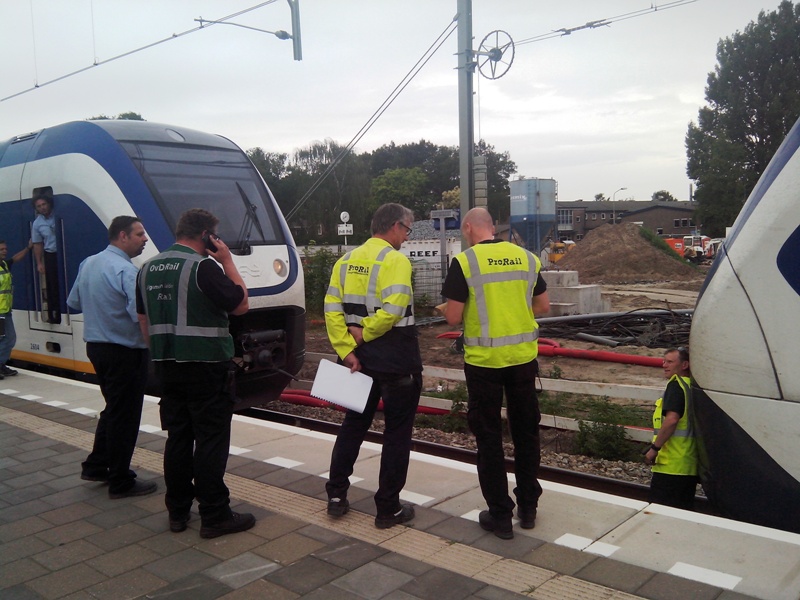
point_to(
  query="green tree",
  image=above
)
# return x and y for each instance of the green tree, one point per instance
(663, 196)
(126, 116)
(753, 99)
(404, 186)
(600, 197)
(499, 169)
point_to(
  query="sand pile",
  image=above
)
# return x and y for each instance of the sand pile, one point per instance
(619, 254)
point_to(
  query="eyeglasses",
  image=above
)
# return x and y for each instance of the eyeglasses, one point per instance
(408, 229)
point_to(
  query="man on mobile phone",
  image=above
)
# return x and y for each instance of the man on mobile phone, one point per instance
(183, 301)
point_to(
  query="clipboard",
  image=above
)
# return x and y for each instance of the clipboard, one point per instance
(336, 384)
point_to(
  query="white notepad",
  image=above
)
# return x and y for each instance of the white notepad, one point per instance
(335, 383)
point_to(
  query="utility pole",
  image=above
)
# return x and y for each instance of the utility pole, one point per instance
(466, 68)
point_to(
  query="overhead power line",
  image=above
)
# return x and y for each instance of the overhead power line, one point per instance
(174, 36)
(423, 60)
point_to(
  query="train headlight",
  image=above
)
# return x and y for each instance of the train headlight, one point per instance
(280, 267)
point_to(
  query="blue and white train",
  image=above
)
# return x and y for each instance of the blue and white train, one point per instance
(96, 170)
(745, 344)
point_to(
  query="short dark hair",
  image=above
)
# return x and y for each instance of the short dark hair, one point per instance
(683, 353)
(194, 222)
(42, 196)
(120, 224)
(387, 215)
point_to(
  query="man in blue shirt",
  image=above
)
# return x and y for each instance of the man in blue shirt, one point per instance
(105, 291)
(45, 249)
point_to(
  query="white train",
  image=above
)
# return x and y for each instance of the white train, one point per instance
(744, 342)
(96, 170)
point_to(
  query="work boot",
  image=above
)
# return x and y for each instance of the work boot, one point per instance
(139, 488)
(6, 371)
(500, 527)
(527, 517)
(178, 521)
(338, 507)
(405, 514)
(236, 523)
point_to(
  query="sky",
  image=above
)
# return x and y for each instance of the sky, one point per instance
(598, 110)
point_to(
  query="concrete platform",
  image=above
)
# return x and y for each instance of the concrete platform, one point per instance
(61, 537)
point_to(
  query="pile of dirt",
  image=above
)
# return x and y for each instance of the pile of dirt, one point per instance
(619, 254)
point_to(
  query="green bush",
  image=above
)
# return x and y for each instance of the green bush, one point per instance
(317, 268)
(603, 440)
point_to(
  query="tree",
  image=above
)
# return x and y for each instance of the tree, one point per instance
(600, 197)
(126, 116)
(404, 186)
(663, 196)
(499, 169)
(753, 100)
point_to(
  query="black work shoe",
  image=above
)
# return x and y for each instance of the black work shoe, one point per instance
(102, 477)
(178, 522)
(527, 517)
(237, 522)
(500, 529)
(7, 371)
(405, 514)
(139, 488)
(338, 507)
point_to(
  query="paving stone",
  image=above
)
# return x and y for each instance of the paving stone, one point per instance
(614, 574)
(168, 543)
(24, 468)
(20, 512)
(326, 536)
(124, 559)
(275, 526)
(67, 554)
(120, 536)
(331, 592)
(349, 553)
(664, 586)
(252, 469)
(183, 564)
(458, 530)
(195, 587)
(123, 513)
(259, 590)
(405, 564)
(373, 581)
(241, 570)
(306, 575)
(559, 558)
(20, 571)
(21, 496)
(66, 581)
(439, 584)
(132, 584)
(69, 513)
(8, 461)
(400, 595)
(515, 548)
(281, 477)
(288, 548)
(21, 528)
(491, 592)
(20, 592)
(69, 532)
(22, 547)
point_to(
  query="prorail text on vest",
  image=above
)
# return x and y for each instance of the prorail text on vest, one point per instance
(503, 262)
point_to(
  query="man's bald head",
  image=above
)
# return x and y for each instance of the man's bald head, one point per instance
(477, 226)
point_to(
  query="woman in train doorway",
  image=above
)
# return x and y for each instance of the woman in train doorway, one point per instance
(45, 249)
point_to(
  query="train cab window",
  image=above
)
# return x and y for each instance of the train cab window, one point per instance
(231, 188)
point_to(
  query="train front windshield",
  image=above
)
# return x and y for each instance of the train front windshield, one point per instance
(220, 180)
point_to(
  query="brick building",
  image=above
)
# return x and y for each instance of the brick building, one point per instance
(574, 219)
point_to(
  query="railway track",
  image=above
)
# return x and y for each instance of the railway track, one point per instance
(586, 481)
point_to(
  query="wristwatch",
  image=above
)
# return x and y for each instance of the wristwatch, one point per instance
(654, 447)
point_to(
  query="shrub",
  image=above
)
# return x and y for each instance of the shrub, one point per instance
(317, 269)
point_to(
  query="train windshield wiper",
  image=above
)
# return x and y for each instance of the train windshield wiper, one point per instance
(250, 219)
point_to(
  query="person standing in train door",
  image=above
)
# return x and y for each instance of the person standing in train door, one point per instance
(369, 315)
(105, 291)
(673, 451)
(496, 289)
(45, 250)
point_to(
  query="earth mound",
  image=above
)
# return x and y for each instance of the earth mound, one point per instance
(616, 254)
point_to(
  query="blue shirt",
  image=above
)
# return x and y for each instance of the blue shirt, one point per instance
(44, 231)
(105, 291)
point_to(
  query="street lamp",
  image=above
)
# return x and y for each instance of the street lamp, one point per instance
(613, 208)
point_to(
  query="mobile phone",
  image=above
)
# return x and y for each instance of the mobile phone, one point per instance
(208, 240)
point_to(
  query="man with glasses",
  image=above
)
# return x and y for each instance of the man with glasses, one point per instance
(369, 315)
(673, 452)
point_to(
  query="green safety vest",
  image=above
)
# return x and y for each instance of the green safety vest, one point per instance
(184, 325)
(499, 327)
(678, 455)
(6, 293)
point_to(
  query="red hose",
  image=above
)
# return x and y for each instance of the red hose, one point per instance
(603, 355)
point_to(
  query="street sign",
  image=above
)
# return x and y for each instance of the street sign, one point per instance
(443, 214)
(345, 229)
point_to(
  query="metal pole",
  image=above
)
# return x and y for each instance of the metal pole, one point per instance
(466, 67)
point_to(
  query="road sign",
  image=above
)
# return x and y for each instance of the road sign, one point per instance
(443, 214)
(345, 229)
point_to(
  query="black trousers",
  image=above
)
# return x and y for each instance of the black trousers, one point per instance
(485, 388)
(196, 409)
(400, 394)
(673, 490)
(51, 282)
(122, 373)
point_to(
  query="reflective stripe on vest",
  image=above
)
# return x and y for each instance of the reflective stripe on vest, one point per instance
(6, 293)
(182, 328)
(678, 456)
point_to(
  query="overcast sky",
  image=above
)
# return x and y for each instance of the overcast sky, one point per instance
(597, 110)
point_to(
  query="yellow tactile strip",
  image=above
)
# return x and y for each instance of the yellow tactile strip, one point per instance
(504, 573)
